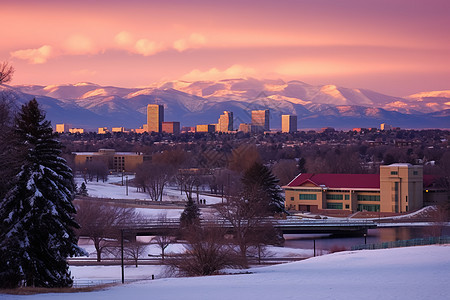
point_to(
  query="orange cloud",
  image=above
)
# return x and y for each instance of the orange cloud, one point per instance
(235, 71)
(80, 44)
(195, 40)
(124, 39)
(34, 56)
(147, 47)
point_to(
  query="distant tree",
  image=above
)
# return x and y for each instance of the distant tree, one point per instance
(164, 239)
(207, 252)
(248, 221)
(285, 170)
(102, 223)
(261, 186)
(154, 177)
(82, 191)
(189, 181)
(37, 215)
(243, 157)
(11, 155)
(97, 169)
(190, 217)
(6, 72)
(134, 250)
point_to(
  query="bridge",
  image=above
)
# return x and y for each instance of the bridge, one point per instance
(286, 226)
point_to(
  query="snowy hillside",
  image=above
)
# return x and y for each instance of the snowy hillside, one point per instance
(403, 273)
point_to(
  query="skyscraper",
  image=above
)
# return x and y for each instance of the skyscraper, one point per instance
(225, 123)
(288, 123)
(260, 119)
(155, 117)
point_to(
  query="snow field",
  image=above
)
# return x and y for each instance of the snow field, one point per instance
(401, 273)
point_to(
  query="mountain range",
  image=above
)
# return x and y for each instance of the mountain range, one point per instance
(89, 105)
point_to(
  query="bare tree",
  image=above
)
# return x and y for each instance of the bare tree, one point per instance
(243, 157)
(10, 157)
(154, 177)
(134, 250)
(207, 252)
(285, 170)
(102, 223)
(6, 72)
(97, 169)
(248, 221)
(164, 239)
(189, 180)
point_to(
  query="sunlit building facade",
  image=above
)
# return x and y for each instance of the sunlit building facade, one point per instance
(398, 188)
(155, 117)
(288, 123)
(260, 120)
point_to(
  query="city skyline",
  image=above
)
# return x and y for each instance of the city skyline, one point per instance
(395, 47)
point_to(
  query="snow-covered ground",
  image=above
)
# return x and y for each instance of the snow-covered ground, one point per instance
(114, 189)
(401, 273)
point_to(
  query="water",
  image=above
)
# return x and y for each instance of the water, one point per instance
(374, 236)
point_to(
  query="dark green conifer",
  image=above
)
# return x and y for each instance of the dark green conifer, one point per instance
(37, 214)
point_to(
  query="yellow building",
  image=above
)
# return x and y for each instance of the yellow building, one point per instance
(116, 161)
(103, 130)
(76, 130)
(155, 117)
(288, 123)
(62, 128)
(398, 188)
(171, 127)
(206, 128)
(225, 123)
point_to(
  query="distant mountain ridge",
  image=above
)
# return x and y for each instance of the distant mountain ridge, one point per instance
(89, 105)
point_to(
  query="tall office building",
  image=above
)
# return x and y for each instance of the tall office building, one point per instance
(288, 123)
(260, 119)
(225, 123)
(155, 117)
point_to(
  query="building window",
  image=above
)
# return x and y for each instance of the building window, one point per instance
(394, 173)
(307, 196)
(292, 198)
(368, 197)
(347, 206)
(368, 207)
(334, 206)
(347, 197)
(415, 173)
(334, 197)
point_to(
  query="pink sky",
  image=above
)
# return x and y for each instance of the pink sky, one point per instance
(397, 47)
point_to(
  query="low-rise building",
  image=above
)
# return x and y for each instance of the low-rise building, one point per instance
(103, 130)
(76, 130)
(398, 188)
(62, 128)
(115, 161)
(206, 128)
(171, 127)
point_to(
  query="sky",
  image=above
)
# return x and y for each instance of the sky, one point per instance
(397, 47)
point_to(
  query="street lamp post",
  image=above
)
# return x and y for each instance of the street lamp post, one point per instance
(126, 183)
(121, 250)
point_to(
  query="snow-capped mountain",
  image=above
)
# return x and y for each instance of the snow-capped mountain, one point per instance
(90, 105)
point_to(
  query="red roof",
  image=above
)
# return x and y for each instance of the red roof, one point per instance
(350, 181)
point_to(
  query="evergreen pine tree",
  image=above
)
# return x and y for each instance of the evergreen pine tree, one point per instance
(36, 216)
(190, 215)
(82, 191)
(260, 185)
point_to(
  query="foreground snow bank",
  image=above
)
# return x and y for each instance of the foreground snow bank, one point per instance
(401, 273)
